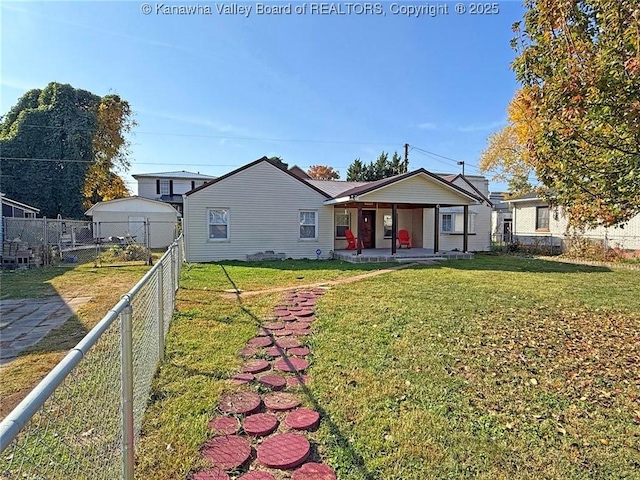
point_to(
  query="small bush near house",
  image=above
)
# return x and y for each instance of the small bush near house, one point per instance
(130, 253)
(591, 249)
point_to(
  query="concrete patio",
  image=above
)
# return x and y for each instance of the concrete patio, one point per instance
(380, 255)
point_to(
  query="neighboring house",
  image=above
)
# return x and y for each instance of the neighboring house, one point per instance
(139, 219)
(535, 222)
(14, 209)
(501, 219)
(169, 187)
(263, 208)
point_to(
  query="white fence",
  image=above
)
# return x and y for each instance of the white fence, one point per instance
(82, 420)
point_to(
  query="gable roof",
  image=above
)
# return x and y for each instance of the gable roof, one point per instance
(335, 188)
(527, 197)
(249, 165)
(164, 205)
(16, 203)
(298, 172)
(182, 174)
(473, 187)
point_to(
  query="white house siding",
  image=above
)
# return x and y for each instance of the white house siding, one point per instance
(147, 187)
(524, 228)
(264, 204)
(416, 189)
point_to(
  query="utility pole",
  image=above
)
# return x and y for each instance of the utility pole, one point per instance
(462, 163)
(406, 156)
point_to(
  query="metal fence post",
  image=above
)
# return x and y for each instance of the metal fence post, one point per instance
(160, 274)
(173, 273)
(126, 380)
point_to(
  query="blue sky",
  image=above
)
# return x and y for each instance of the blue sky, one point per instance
(214, 92)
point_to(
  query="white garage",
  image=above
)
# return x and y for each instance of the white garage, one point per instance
(135, 219)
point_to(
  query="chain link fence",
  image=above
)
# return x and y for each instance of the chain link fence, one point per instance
(50, 242)
(83, 419)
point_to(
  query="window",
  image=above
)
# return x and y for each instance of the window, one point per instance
(453, 222)
(308, 225)
(542, 218)
(387, 224)
(218, 220)
(165, 188)
(447, 222)
(343, 223)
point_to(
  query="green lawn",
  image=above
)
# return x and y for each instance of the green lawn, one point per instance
(495, 368)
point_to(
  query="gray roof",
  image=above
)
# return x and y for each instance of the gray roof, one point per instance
(526, 197)
(334, 188)
(182, 174)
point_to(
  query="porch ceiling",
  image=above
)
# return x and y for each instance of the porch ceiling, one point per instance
(370, 205)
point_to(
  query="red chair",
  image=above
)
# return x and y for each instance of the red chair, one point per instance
(404, 238)
(351, 240)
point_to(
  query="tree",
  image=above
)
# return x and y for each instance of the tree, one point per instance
(56, 140)
(579, 64)
(323, 172)
(278, 162)
(381, 168)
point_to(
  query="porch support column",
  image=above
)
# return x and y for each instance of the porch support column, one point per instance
(394, 227)
(436, 229)
(360, 228)
(465, 231)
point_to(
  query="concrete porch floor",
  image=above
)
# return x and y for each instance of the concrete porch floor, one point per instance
(373, 255)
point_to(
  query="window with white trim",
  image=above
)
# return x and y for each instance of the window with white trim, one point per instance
(308, 225)
(165, 187)
(387, 223)
(218, 223)
(343, 223)
(453, 222)
(447, 222)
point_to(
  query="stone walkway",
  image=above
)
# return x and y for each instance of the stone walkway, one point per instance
(24, 322)
(262, 433)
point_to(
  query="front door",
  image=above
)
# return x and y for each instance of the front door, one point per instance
(368, 234)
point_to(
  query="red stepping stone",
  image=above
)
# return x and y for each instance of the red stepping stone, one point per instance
(289, 318)
(227, 452)
(296, 309)
(260, 342)
(274, 325)
(255, 475)
(281, 311)
(281, 401)
(303, 419)
(242, 378)
(298, 380)
(260, 424)
(247, 352)
(284, 451)
(299, 352)
(296, 325)
(274, 381)
(224, 425)
(256, 365)
(210, 474)
(282, 333)
(319, 291)
(300, 333)
(263, 332)
(274, 351)
(288, 343)
(304, 313)
(291, 364)
(314, 471)
(240, 402)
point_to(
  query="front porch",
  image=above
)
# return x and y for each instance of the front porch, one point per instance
(382, 255)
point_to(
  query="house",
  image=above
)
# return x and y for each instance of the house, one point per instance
(537, 223)
(261, 207)
(501, 220)
(169, 187)
(144, 221)
(14, 209)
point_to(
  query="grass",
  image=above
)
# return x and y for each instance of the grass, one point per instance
(495, 368)
(105, 286)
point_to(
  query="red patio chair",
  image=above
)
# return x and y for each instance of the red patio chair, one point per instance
(404, 238)
(351, 240)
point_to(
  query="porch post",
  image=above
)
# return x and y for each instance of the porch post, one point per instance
(465, 231)
(360, 228)
(436, 229)
(394, 227)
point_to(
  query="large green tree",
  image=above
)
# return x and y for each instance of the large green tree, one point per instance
(579, 64)
(381, 168)
(60, 148)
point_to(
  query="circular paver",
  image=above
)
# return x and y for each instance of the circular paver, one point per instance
(256, 365)
(284, 451)
(255, 475)
(300, 332)
(289, 318)
(281, 311)
(240, 402)
(298, 380)
(248, 352)
(303, 419)
(297, 326)
(281, 401)
(291, 364)
(227, 452)
(273, 381)
(282, 333)
(263, 332)
(314, 471)
(299, 351)
(274, 351)
(274, 325)
(242, 378)
(304, 313)
(260, 424)
(288, 343)
(210, 474)
(224, 425)
(260, 342)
